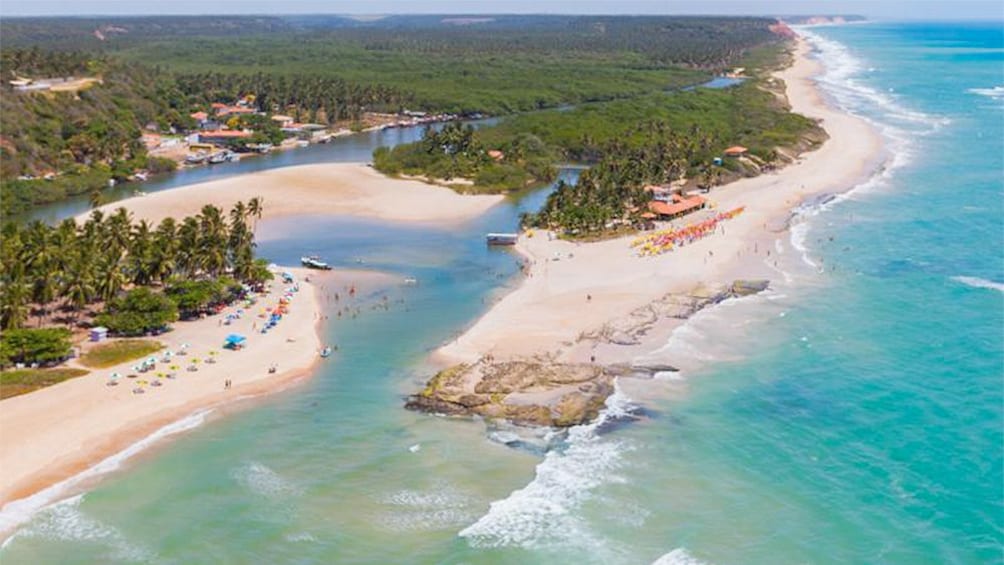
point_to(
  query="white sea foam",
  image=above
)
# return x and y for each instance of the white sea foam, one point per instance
(20, 511)
(543, 513)
(260, 479)
(699, 340)
(442, 507)
(899, 125)
(977, 282)
(678, 556)
(996, 92)
(300, 537)
(65, 521)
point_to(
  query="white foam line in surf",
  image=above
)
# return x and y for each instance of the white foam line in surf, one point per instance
(65, 521)
(543, 513)
(996, 92)
(899, 126)
(977, 282)
(679, 556)
(17, 512)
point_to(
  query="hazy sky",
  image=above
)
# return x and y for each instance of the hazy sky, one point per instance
(878, 9)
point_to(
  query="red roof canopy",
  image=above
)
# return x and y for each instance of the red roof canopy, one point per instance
(681, 207)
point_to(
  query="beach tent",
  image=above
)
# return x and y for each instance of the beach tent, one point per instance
(235, 341)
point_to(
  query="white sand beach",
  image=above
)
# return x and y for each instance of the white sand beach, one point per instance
(51, 434)
(352, 189)
(573, 288)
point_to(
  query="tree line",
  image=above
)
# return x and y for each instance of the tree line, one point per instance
(308, 98)
(69, 267)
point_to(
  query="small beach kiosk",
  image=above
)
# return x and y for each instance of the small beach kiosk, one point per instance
(235, 342)
(99, 333)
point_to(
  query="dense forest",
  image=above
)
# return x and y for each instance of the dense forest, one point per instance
(152, 72)
(309, 98)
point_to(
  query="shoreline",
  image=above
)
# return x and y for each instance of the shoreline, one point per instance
(350, 189)
(52, 448)
(572, 292)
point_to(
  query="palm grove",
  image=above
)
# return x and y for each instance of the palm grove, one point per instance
(138, 276)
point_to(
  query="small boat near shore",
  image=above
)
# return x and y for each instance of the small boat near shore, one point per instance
(502, 238)
(219, 157)
(314, 262)
(326, 352)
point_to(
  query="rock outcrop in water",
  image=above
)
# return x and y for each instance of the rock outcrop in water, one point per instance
(544, 392)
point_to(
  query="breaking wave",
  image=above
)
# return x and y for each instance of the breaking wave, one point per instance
(678, 556)
(20, 511)
(442, 507)
(977, 282)
(899, 126)
(996, 92)
(542, 514)
(65, 521)
(262, 480)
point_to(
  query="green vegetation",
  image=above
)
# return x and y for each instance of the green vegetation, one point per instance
(43, 346)
(115, 352)
(138, 312)
(193, 298)
(457, 151)
(79, 140)
(69, 267)
(23, 381)
(497, 64)
(654, 139)
(322, 69)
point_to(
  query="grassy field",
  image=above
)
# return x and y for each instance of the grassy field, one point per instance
(109, 354)
(23, 381)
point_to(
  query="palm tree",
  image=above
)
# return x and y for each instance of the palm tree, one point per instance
(110, 278)
(95, 199)
(212, 246)
(255, 209)
(188, 241)
(14, 296)
(139, 254)
(78, 287)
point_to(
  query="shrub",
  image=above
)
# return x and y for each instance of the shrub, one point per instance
(43, 346)
(137, 312)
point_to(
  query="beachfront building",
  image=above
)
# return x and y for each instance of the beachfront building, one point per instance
(223, 136)
(676, 207)
(282, 121)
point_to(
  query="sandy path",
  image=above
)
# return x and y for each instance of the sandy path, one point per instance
(333, 188)
(551, 308)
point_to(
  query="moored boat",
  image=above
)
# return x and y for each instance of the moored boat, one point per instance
(314, 262)
(502, 238)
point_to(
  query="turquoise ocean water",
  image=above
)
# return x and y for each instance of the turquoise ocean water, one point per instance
(854, 414)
